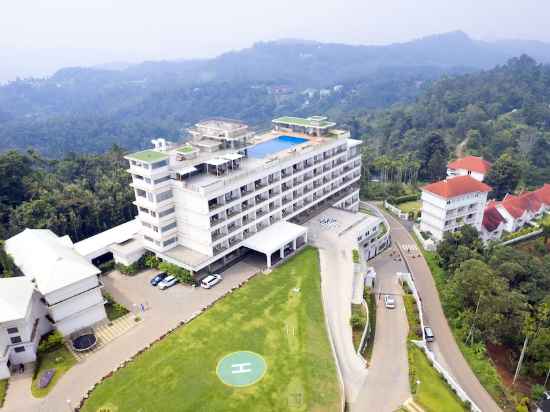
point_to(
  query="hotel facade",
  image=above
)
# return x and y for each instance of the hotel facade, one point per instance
(204, 203)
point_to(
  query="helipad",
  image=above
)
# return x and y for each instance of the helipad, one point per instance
(241, 368)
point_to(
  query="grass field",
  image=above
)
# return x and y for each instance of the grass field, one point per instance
(267, 316)
(413, 206)
(3, 389)
(433, 393)
(59, 359)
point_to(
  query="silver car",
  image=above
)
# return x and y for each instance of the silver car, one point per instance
(168, 282)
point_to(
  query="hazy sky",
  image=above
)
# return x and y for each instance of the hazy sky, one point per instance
(38, 36)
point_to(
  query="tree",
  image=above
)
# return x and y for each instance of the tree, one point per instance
(504, 175)
(433, 156)
(546, 230)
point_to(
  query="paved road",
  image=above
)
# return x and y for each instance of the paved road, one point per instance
(434, 316)
(336, 288)
(387, 385)
(167, 309)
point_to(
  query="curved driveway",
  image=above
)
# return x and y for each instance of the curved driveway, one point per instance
(447, 348)
(336, 289)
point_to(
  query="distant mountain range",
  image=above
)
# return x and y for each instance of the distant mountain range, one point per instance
(89, 108)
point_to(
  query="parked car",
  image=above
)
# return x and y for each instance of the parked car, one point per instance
(210, 281)
(158, 278)
(168, 282)
(428, 333)
(389, 302)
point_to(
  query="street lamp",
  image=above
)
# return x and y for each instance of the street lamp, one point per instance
(69, 405)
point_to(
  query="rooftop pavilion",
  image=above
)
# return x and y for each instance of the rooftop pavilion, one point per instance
(219, 150)
(314, 125)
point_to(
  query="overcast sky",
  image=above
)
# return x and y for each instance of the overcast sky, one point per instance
(39, 36)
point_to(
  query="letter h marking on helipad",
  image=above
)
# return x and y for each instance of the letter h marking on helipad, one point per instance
(241, 368)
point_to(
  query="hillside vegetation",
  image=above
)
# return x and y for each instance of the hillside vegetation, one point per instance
(503, 111)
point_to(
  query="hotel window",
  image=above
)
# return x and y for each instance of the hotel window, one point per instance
(169, 241)
(19, 349)
(13, 330)
(164, 195)
(159, 164)
(169, 226)
(15, 339)
(167, 212)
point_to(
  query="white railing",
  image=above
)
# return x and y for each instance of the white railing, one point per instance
(396, 211)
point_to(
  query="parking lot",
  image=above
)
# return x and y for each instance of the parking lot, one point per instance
(179, 301)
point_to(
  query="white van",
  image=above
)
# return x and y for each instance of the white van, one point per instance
(428, 333)
(210, 281)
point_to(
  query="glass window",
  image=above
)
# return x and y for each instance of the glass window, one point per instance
(15, 339)
(167, 212)
(169, 241)
(159, 164)
(162, 179)
(13, 330)
(20, 349)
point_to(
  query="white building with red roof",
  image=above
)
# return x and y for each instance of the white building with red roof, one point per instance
(473, 166)
(449, 204)
(521, 209)
(493, 223)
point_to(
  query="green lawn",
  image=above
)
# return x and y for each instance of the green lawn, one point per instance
(357, 333)
(60, 359)
(3, 389)
(433, 393)
(413, 206)
(266, 316)
(369, 345)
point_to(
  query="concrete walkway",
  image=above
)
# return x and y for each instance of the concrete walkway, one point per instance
(336, 288)
(167, 310)
(448, 352)
(387, 385)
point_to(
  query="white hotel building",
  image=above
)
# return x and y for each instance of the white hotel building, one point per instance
(449, 204)
(208, 201)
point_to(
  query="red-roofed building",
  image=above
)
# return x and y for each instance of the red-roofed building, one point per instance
(473, 166)
(493, 223)
(449, 204)
(523, 208)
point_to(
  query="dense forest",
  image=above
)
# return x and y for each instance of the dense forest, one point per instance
(498, 296)
(502, 114)
(78, 196)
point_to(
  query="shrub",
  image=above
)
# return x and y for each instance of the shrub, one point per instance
(107, 266)
(50, 342)
(151, 261)
(357, 322)
(537, 391)
(355, 256)
(181, 274)
(407, 198)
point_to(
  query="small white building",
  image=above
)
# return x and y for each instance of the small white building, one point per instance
(60, 290)
(493, 223)
(473, 166)
(22, 323)
(521, 209)
(449, 204)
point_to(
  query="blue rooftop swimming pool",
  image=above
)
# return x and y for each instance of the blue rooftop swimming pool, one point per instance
(264, 149)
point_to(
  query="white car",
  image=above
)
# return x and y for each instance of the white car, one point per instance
(210, 281)
(389, 302)
(168, 282)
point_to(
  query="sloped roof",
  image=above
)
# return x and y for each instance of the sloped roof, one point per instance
(473, 163)
(117, 234)
(492, 218)
(528, 201)
(15, 297)
(457, 186)
(47, 259)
